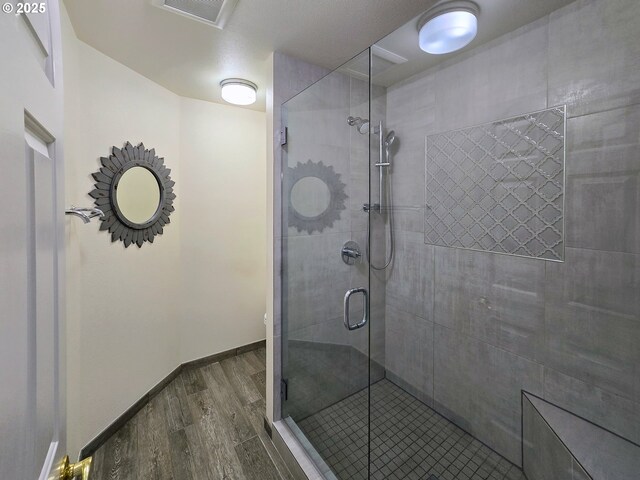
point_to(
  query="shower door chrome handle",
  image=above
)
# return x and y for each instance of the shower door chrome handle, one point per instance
(365, 303)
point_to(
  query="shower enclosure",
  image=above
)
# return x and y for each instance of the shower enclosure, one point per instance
(461, 247)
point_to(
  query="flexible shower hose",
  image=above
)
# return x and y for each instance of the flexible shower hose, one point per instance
(391, 239)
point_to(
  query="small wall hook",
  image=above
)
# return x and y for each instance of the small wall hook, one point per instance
(86, 214)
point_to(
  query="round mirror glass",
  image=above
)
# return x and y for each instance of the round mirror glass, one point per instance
(138, 195)
(310, 197)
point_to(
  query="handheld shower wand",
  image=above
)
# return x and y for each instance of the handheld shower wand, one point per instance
(385, 195)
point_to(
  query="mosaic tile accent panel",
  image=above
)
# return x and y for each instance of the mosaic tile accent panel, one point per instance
(409, 440)
(499, 187)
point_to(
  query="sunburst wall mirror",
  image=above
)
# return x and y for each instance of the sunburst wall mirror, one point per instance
(135, 191)
(316, 196)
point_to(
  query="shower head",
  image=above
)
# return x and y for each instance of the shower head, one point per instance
(362, 124)
(389, 139)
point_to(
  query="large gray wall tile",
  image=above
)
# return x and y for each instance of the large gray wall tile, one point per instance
(498, 299)
(358, 181)
(411, 113)
(410, 104)
(478, 386)
(290, 77)
(316, 279)
(611, 411)
(592, 319)
(603, 181)
(409, 345)
(594, 55)
(325, 108)
(410, 281)
(500, 79)
(362, 147)
(380, 241)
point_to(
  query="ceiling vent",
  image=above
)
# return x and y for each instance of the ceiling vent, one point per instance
(211, 12)
(381, 60)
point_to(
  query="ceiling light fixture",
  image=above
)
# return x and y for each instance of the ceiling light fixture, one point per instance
(448, 27)
(238, 91)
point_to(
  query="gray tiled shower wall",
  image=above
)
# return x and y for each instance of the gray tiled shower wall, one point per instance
(315, 279)
(470, 329)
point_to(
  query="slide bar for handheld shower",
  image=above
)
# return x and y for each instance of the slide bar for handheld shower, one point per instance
(381, 163)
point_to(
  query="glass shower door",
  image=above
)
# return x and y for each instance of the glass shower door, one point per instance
(325, 278)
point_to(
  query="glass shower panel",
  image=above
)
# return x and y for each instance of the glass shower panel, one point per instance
(490, 201)
(513, 195)
(325, 279)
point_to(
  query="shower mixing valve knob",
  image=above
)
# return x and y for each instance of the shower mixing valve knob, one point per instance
(350, 252)
(367, 207)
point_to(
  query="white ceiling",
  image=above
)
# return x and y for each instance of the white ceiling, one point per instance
(191, 58)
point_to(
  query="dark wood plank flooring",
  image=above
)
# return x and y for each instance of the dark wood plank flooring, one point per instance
(207, 424)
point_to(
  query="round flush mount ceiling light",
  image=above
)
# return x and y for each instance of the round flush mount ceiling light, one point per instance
(448, 27)
(239, 91)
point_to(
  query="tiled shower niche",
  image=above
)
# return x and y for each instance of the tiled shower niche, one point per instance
(499, 187)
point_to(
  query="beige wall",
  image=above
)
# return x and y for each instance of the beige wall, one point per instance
(133, 314)
(223, 260)
(121, 303)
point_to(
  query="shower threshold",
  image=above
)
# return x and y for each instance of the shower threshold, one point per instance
(409, 440)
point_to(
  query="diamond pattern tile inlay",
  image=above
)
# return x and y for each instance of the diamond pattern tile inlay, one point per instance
(499, 187)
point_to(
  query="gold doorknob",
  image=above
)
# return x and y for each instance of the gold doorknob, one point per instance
(81, 469)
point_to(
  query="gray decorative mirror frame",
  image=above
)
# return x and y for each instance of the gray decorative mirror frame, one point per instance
(105, 194)
(336, 202)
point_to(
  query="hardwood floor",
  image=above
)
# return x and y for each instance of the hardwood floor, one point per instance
(207, 424)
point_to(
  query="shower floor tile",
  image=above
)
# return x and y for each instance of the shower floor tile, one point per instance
(409, 440)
